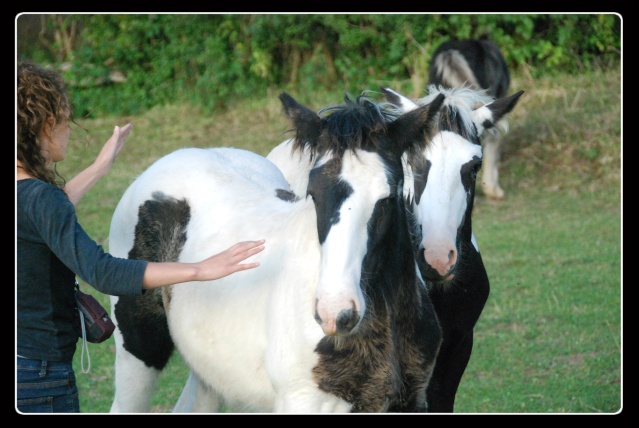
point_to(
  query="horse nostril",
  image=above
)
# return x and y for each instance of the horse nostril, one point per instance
(347, 320)
(317, 317)
(452, 257)
(452, 261)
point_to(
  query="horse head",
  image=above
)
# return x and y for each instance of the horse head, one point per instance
(356, 183)
(441, 178)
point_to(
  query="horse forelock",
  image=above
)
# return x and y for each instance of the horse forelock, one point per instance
(353, 125)
(456, 113)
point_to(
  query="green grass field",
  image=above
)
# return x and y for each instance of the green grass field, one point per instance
(550, 337)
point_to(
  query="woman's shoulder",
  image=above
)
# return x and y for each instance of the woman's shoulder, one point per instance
(32, 190)
(33, 183)
(42, 207)
(36, 185)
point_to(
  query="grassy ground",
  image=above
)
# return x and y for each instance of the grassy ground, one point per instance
(550, 337)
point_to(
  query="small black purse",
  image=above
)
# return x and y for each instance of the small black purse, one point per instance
(96, 324)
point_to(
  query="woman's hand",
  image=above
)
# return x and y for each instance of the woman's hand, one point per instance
(111, 149)
(215, 267)
(228, 261)
(79, 185)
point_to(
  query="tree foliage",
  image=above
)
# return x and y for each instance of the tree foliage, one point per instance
(127, 63)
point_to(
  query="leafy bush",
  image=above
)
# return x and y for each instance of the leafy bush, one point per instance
(126, 64)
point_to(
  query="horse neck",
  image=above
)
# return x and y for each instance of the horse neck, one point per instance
(466, 229)
(300, 220)
(392, 262)
(294, 164)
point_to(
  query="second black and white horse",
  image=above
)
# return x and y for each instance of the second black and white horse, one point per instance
(335, 318)
(442, 199)
(478, 64)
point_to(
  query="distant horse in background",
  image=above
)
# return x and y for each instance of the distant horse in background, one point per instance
(439, 189)
(479, 64)
(335, 319)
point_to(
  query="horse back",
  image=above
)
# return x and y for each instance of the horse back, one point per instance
(478, 62)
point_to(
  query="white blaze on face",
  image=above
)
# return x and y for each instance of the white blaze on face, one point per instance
(345, 246)
(444, 201)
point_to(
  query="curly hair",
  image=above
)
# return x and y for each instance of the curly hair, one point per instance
(41, 98)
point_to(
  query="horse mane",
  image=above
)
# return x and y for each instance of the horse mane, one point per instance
(348, 126)
(456, 112)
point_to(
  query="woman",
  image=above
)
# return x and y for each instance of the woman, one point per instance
(52, 247)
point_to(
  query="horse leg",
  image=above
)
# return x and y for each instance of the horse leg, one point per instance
(310, 400)
(450, 367)
(490, 167)
(143, 346)
(197, 397)
(458, 308)
(134, 381)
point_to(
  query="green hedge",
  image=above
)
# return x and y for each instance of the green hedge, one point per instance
(209, 59)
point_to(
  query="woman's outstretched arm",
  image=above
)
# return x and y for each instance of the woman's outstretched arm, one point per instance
(215, 267)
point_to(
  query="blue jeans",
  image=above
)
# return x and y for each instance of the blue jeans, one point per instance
(46, 387)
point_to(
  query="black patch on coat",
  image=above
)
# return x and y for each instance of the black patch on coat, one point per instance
(160, 235)
(286, 195)
(329, 193)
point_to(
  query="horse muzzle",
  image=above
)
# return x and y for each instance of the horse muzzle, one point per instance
(341, 324)
(431, 274)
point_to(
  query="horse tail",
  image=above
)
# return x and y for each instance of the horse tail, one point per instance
(450, 69)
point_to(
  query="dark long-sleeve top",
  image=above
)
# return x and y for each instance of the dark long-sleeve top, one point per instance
(52, 248)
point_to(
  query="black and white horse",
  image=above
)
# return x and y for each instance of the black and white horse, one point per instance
(439, 187)
(442, 199)
(335, 319)
(479, 64)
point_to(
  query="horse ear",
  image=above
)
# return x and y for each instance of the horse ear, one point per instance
(297, 112)
(411, 128)
(398, 100)
(486, 116)
(305, 122)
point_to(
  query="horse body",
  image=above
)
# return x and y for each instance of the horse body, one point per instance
(478, 64)
(335, 319)
(439, 183)
(202, 316)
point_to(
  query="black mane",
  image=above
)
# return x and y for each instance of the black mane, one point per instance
(348, 126)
